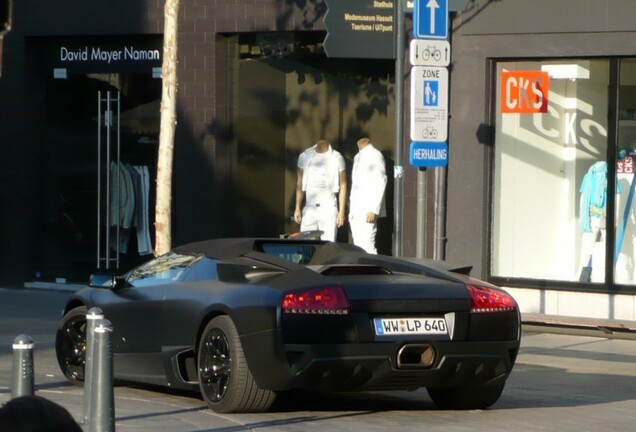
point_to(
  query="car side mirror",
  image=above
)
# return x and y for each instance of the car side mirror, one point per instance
(103, 280)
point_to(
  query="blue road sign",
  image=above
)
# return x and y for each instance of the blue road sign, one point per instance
(428, 154)
(430, 19)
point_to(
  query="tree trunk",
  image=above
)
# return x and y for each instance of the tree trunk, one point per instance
(163, 208)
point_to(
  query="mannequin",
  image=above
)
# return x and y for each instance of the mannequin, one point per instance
(592, 220)
(366, 202)
(321, 190)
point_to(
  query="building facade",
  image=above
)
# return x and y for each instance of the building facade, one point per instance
(541, 148)
(81, 100)
(541, 95)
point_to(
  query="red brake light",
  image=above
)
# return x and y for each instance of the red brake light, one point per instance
(484, 299)
(330, 300)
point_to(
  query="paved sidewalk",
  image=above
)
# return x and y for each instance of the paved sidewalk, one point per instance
(140, 410)
(576, 363)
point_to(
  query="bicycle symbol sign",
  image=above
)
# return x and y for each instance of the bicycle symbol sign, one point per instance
(423, 52)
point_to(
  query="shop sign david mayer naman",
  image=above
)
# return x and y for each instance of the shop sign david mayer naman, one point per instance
(107, 56)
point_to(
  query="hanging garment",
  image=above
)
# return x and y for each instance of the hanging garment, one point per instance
(144, 243)
(122, 196)
(593, 195)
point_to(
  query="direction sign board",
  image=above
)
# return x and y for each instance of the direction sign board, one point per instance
(429, 103)
(360, 29)
(424, 52)
(428, 154)
(430, 19)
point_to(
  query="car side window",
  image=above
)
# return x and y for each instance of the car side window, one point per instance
(203, 269)
(162, 270)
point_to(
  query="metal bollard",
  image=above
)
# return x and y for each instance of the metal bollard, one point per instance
(92, 316)
(22, 382)
(102, 411)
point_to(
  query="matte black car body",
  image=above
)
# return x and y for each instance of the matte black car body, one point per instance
(159, 323)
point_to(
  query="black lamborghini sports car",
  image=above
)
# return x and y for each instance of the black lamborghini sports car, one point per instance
(246, 319)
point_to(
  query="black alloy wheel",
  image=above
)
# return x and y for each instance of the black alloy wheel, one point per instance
(215, 365)
(225, 380)
(70, 345)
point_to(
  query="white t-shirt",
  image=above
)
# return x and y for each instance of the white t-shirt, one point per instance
(321, 172)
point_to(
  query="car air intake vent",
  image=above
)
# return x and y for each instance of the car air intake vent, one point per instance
(354, 269)
(230, 272)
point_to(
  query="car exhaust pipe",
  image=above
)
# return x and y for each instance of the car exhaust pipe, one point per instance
(416, 356)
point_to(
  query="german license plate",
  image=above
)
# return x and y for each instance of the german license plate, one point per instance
(410, 326)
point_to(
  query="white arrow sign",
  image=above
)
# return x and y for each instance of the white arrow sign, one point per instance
(430, 19)
(432, 5)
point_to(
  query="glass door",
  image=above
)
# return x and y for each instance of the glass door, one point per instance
(112, 190)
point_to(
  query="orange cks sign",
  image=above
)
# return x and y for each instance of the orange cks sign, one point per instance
(524, 92)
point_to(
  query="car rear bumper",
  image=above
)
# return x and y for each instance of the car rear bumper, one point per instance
(375, 366)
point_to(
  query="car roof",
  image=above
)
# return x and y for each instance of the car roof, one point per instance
(325, 253)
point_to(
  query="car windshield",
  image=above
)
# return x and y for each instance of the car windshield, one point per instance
(296, 253)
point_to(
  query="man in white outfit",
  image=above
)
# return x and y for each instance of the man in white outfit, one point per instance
(322, 183)
(366, 203)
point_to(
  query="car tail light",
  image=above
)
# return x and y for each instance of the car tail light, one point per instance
(330, 300)
(485, 299)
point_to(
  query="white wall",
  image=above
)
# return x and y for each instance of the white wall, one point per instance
(575, 304)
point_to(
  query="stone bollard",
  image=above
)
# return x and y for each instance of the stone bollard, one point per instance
(22, 382)
(102, 411)
(94, 314)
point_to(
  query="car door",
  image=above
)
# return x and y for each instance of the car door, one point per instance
(135, 310)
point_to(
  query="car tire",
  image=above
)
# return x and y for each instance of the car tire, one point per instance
(225, 380)
(466, 397)
(70, 345)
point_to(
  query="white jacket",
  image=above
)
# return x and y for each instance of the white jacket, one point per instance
(368, 182)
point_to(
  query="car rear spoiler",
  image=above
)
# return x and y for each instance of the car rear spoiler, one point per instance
(442, 265)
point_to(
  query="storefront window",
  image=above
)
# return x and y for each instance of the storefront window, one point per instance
(625, 247)
(550, 189)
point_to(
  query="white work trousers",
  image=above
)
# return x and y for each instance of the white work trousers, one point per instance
(320, 217)
(363, 232)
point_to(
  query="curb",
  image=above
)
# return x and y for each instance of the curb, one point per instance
(54, 286)
(608, 328)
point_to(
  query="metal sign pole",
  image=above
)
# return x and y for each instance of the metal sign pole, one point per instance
(398, 185)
